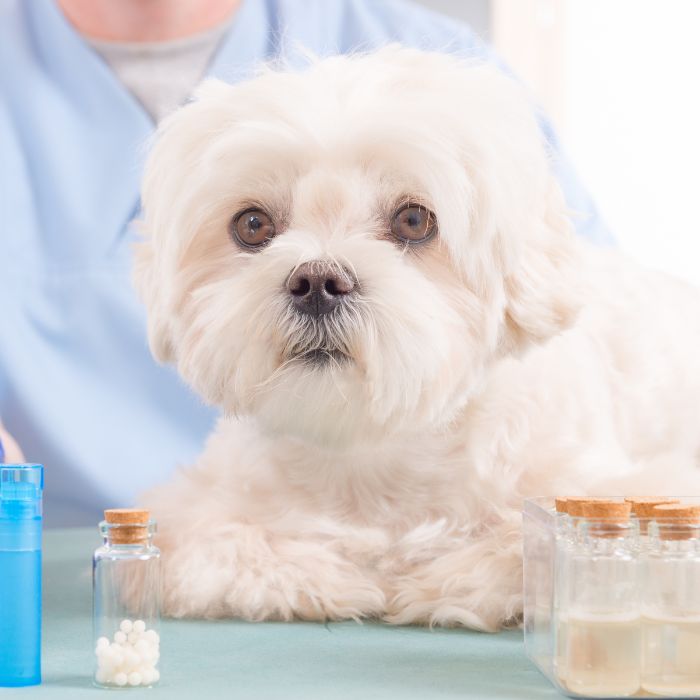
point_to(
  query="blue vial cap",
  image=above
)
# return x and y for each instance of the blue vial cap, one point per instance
(21, 491)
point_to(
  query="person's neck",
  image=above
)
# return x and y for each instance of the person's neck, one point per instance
(145, 20)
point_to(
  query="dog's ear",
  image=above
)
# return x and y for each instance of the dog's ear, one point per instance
(147, 282)
(158, 255)
(520, 245)
(543, 290)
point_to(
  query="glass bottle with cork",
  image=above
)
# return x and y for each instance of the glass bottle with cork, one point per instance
(126, 601)
(671, 602)
(564, 542)
(602, 656)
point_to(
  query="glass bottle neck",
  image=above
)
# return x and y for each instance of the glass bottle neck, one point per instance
(674, 537)
(132, 535)
(140, 542)
(603, 535)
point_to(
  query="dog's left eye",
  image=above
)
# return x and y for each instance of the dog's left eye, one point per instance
(252, 228)
(414, 223)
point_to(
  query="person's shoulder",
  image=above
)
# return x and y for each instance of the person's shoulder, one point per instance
(409, 21)
(351, 25)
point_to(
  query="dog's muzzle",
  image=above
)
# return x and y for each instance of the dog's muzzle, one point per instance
(319, 286)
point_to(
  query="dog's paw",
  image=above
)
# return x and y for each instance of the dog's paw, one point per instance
(255, 575)
(478, 585)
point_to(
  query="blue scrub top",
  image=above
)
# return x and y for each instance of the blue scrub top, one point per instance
(78, 387)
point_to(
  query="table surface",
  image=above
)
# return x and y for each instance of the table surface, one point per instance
(263, 661)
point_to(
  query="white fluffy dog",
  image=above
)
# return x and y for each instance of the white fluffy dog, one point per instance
(370, 267)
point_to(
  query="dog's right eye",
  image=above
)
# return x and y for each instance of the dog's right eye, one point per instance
(252, 228)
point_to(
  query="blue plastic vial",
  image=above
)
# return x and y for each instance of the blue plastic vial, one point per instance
(21, 488)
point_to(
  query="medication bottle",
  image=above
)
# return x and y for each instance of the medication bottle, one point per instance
(126, 601)
(564, 540)
(603, 652)
(21, 489)
(671, 603)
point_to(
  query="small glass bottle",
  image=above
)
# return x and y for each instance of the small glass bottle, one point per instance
(671, 603)
(564, 540)
(126, 601)
(603, 632)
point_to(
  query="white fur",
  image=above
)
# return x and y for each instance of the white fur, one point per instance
(504, 359)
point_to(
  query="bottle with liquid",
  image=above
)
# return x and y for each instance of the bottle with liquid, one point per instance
(126, 601)
(563, 543)
(671, 603)
(602, 657)
(21, 489)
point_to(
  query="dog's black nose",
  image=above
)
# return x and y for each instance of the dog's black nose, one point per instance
(317, 287)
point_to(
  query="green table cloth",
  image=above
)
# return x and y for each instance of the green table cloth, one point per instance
(234, 659)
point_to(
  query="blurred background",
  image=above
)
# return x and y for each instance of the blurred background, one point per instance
(619, 79)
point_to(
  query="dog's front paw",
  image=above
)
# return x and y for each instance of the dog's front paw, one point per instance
(477, 586)
(257, 575)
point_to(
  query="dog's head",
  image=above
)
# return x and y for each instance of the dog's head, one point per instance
(343, 252)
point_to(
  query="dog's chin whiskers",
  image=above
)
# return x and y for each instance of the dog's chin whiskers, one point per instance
(319, 342)
(321, 357)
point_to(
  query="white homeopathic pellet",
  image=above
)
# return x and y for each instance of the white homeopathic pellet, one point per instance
(135, 678)
(131, 658)
(139, 626)
(120, 679)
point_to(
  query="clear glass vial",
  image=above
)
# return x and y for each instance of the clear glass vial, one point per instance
(126, 601)
(563, 541)
(602, 656)
(671, 603)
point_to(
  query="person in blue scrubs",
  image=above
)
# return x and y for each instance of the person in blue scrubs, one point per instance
(78, 388)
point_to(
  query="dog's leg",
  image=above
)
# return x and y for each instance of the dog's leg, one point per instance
(477, 584)
(227, 568)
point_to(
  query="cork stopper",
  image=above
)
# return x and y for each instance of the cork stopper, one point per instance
(127, 525)
(560, 504)
(575, 505)
(615, 511)
(677, 521)
(607, 514)
(643, 508)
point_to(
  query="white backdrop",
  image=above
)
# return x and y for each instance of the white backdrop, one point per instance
(631, 121)
(620, 80)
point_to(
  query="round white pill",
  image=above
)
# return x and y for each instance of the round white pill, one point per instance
(132, 659)
(106, 661)
(139, 626)
(152, 636)
(102, 643)
(120, 679)
(103, 676)
(126, 626)
(147, 676)
(135, 678)
(120, 637)
(142, 647)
